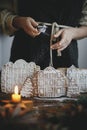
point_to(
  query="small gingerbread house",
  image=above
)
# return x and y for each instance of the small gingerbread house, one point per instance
(77, 81)
(15, 74)
(51, 83)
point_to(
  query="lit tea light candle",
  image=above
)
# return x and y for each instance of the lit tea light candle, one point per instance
(16, 97)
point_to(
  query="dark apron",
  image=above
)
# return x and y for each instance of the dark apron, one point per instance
(38, 49)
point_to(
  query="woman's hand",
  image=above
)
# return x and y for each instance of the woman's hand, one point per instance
(66, 38)
(67, 35)
(28, 24)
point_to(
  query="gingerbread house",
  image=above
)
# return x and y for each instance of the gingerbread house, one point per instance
(51, 83)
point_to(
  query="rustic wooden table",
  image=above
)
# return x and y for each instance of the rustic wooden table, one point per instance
(46, 115)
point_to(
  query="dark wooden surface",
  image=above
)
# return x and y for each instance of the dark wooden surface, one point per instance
(48, 115)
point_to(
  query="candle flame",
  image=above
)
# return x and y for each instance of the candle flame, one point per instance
(16, 90)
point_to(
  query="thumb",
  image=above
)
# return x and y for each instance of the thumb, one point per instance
(58, 33)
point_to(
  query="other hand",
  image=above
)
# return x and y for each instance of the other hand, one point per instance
(66, 35)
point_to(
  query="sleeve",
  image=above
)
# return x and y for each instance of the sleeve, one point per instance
(6, 18)
(83, 20)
